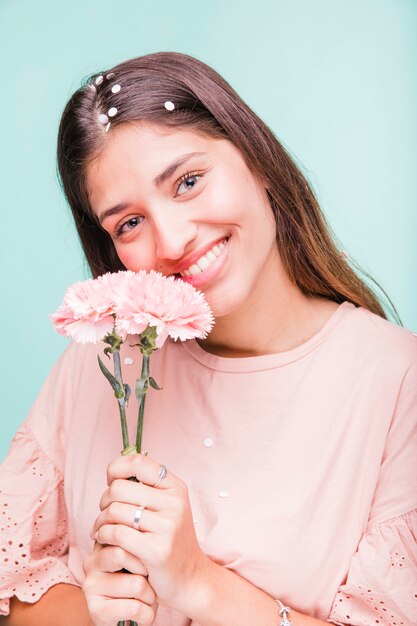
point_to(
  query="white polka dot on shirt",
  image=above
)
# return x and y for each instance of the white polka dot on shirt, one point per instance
(223, 494)
(208, 442)
(128, 361)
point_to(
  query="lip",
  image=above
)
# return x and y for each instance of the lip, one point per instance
(209, 274)
(197, 254)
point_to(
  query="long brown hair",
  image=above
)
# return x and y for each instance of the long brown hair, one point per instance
(205, 103)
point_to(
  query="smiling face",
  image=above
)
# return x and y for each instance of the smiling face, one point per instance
(208, 220)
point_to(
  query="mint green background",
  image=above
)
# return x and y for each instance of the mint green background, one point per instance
(335, 80)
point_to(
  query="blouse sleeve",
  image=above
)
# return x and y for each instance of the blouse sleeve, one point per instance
(380, 588)
(33, 525)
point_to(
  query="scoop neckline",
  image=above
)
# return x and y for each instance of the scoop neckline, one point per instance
(266, 361)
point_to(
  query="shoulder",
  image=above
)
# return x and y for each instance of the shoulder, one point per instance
(379, 339)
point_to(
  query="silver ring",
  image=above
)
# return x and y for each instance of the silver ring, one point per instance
(137, 517)
(162, 473)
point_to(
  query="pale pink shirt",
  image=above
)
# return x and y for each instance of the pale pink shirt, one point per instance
(301, 468)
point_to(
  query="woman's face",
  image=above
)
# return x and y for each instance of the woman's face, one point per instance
(202, 216)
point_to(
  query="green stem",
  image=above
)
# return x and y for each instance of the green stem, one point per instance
(121, 401)
(145, 378)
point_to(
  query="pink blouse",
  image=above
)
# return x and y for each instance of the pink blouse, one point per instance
(301, 468)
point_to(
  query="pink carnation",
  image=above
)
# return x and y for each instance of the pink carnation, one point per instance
(174, 307)
(136, 300)
(87, 312)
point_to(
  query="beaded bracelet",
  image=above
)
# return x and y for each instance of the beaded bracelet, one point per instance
(284, 612)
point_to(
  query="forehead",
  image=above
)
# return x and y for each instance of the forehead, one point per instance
(141, 150)
(134, 154)
(146, 144)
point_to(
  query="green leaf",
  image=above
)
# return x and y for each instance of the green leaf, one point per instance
(119, 392)
(154, 384)
(128, 393)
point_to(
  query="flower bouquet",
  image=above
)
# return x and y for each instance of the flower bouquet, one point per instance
(147, 304)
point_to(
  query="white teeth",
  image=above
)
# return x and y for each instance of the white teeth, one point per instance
(194, 269)
(205, 261)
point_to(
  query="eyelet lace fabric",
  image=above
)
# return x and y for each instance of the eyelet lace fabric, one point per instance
(381, 586)
(33, 524)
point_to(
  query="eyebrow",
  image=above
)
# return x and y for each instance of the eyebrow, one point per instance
(158, 181)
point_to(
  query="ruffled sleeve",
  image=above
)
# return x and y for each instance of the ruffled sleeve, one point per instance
(381, 587)
(33, 524)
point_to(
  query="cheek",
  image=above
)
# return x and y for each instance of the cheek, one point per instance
(224, 202)
(135, 258)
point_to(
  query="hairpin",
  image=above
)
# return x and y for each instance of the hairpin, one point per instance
(103, 118)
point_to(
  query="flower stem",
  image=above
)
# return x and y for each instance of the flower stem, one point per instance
(144, 380)
(125, 435)
(121, 401)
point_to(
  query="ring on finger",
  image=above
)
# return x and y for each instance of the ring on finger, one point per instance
(162, 473)
(138, 515)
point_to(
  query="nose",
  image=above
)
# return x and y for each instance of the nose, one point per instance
(174, 237)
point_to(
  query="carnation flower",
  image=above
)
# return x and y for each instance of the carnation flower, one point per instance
(87, 312)
(130, 302)
(175, 308)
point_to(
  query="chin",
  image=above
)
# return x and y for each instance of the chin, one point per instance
(223, 305)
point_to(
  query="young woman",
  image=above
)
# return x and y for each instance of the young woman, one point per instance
(282, 450)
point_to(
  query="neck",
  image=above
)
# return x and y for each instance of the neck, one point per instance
(275, 318)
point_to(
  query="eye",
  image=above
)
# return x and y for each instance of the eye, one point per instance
(129, 225)
(189, 177)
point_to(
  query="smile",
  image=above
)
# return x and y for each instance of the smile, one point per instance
(205, 260)
(213, 261)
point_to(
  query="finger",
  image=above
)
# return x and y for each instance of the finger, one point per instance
(121, 513)
(116, 610)
(127, 538)
(129, 492)
(143, 467)
(122, 585)
(114, 559)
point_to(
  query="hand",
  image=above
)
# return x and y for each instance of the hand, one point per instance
(112, 595)
(166, 542)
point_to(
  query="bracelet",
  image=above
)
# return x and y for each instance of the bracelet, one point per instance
(284, 611)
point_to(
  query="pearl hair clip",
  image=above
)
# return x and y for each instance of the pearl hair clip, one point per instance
(103, 118)
(170, 106)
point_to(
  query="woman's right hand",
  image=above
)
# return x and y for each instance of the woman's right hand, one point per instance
(114, 596)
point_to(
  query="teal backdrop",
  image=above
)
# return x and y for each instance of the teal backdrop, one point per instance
(335, 80)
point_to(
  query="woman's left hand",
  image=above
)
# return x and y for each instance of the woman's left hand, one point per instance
(166, 542)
